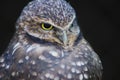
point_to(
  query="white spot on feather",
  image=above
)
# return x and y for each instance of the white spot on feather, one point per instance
(2, 60)
(13, 74)
(69, 76)
(41, 57)
(34, 73)
(3, 65)
(7, 66)
(47, 75)
(73, 70)
(79, 63)
(51, 76)
(33, 62)
(63, 54)
(16, 45)
(62, 66)
(85, 69)
(86, 48)
(80, 77)
(27, 57)
(60, 72)
(52, 69)
(55, 54)
(29, 49)
(73, 63)
(56, 78)
(20, 61)
(80, 53)
(85, 76)
(15, 48)
(77, 71)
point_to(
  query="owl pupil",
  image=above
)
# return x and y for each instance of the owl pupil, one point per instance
(47, 25)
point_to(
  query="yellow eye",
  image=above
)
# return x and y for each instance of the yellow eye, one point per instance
(46, 26)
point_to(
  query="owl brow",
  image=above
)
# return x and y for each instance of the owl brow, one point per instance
(56, 29)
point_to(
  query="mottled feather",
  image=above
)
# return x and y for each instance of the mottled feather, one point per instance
(58, 54)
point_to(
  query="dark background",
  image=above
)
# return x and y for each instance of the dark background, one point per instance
(99, 21)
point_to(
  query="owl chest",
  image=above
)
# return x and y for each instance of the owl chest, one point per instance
(43, 62)
(49, 54)
(48, 61)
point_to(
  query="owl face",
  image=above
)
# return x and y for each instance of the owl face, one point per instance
(53, 23)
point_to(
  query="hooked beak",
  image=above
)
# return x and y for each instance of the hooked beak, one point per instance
(64, 38)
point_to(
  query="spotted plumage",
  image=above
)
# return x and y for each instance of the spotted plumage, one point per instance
(48, 45)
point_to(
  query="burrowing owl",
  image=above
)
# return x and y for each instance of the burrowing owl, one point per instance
(48, 45)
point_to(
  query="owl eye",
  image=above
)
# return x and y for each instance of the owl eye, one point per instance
(46, 26)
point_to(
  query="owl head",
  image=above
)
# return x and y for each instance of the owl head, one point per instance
(49, 20)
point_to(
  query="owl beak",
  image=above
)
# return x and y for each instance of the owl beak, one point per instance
(64, 38)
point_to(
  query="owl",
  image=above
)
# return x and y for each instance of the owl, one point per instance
(48, 45)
